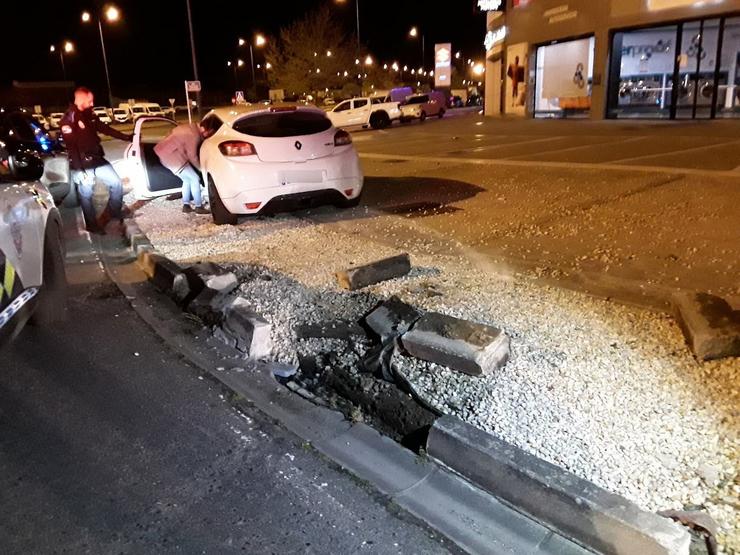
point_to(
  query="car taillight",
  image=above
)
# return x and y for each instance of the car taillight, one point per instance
(342, 138)
(237, 148)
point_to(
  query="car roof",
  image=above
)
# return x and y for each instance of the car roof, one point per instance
(229, 114)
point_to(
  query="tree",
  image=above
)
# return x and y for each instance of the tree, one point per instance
(311, 54)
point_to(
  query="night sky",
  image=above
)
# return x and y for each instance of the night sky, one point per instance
(149, 50)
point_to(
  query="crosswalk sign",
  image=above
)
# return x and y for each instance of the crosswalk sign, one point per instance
(239, 97)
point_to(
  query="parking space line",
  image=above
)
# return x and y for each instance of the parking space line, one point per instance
(557, 165)
(504, 145)
(690, 149)
(621, 140)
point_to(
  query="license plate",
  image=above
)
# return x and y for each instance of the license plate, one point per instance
(298, 176)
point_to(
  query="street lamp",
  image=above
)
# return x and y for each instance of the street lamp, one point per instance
(414, 33)
(357, 9)
(259, 41)
(111, 14)
(369, 60)
(65, 48)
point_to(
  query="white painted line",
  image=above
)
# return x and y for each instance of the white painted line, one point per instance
(622, 140)
(556, 165)
(692, 149)
(515, 143)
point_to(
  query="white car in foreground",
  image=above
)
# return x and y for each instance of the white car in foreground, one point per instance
(258, 156)
(32, 275)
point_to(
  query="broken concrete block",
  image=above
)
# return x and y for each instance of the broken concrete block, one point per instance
(208, 306)
(223, 284)
(140, 242)
(251, 331)
(709, 323)
(391, 318)
(468, 347)
(160, 270)
(206, 269)
(338, 329)
(375, 272)
(186, 287)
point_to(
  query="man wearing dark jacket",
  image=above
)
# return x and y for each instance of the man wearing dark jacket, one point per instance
(80, 128)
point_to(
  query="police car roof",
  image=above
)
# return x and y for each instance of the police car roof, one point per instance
(229, 114)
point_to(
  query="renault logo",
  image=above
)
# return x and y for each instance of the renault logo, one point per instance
(298, 145)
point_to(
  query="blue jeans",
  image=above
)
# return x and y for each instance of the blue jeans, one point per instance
(110, 178)
(190, 186)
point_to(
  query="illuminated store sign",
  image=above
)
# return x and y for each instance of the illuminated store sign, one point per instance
(490, 5)
(495, 36)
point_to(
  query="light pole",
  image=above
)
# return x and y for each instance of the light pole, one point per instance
(111, 15)
(357, 10)
(65, 48)
(414, 33)
(259, 42)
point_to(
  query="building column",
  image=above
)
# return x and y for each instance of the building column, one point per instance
(492, 95)
(600, 84)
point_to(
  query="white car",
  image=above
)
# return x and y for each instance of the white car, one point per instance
(33, 284)
(377, 112)
(102, 113)
(258, 156)
(422, 106)
(54, 119)
(146, 109)
(121, 115)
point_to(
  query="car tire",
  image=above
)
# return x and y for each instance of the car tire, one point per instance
(52, 302)
(423, 117)
(441, 114)
(379, 120)
(351, 202)
(221, 216)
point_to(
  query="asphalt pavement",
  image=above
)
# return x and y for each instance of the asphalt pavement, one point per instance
(111, 443)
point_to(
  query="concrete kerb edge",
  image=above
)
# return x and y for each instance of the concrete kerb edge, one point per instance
(327, 430)
(576, 508)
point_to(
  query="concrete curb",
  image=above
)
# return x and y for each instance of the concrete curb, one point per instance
(577, 508)
(468, 516)
(462, 509)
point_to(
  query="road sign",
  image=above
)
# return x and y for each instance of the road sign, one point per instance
(172, 101)
(239, 97)
(192, 86)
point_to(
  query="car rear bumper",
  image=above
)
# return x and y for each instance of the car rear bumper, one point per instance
(240, 184)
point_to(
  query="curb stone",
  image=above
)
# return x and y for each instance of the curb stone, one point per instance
(581, 510)
(453, 505)
(710, 324)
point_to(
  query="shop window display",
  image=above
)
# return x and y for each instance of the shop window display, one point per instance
(563, 79)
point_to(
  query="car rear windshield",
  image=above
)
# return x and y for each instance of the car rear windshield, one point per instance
(283, 124)
(417, 100)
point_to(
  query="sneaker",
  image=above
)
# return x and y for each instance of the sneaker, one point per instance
(187, 209)
(201, 210)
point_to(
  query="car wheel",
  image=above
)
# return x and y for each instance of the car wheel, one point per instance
(379, 120)
(441, 114)
(351, 202)
(52, 303)
(221, 216)
(423, 116)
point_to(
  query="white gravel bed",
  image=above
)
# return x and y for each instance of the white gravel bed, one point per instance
(608, 392)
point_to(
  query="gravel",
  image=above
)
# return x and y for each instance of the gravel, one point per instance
(606, 391)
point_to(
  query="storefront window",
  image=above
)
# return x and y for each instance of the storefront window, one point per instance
(729, 93)
(646, 62)
(563, 79)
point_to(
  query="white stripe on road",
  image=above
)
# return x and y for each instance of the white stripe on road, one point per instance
(555, 165)
(691, 149)
(623, 140)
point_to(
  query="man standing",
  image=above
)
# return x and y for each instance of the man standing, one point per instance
(179, 153)
(80, 127)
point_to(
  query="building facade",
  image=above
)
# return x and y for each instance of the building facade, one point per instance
(657, 59)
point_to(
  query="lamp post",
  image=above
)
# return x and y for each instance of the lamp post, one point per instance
(414, 33)
(65, 48)
(259, 42)
(111, 15)
(357, 11)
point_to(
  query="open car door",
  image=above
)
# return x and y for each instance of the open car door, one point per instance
(147, 175)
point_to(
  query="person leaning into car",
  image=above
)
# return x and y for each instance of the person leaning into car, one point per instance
(178, 152)
(80, 128)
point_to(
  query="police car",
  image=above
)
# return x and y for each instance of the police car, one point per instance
(32, 278)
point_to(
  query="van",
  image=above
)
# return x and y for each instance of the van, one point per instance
(146, 109)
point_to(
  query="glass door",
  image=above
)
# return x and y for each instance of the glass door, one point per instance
(696, 68)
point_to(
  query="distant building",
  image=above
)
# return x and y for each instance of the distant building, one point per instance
(668, 59)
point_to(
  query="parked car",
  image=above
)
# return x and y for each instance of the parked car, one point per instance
(21, 133)
(376, 112)
(146, 109)
(31, 247)
(102, 113)
(54, 119)
(456, 102)
(260, 157)
(42, 121)
(121, 115)
(422, 106)
(474, 100)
